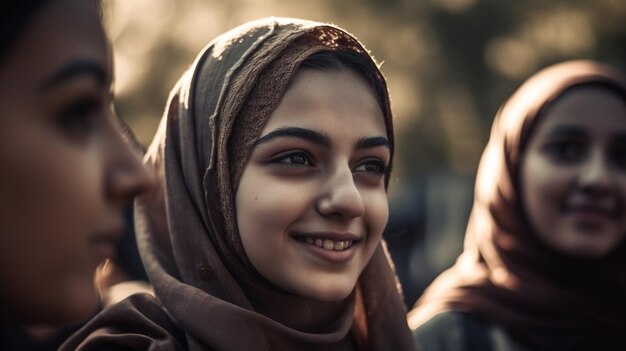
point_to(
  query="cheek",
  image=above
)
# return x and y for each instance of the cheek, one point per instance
(65, 190)
(266, 209)
(54, 206)
(377, 212)
(52, 201)
(46, 178)
(544, 188)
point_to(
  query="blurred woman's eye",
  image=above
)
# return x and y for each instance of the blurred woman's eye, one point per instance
(374, 166)
(79, 118)
(567, 151)
(293, 158)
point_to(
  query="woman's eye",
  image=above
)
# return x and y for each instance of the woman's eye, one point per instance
(565, 150)
(371, 166)
(297, 158)
(78, 119)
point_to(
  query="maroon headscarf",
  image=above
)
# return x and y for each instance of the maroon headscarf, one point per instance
(506, 275)
(208, 296)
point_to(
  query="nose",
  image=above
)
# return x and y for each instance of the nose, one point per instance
(126, 176)
(341, 198)
(595, 175)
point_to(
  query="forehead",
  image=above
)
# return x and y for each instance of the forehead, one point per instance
(329, 100)
(595, 109)
(62, 31)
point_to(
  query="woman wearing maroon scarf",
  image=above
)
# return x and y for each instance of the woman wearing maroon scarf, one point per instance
(265, 230)
(544, 265)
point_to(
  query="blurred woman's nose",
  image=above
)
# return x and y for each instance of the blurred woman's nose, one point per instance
(595, 175)
(340, 197)
(127, 176)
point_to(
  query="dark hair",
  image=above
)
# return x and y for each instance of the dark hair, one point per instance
(606, 85)
(336, 60)
(609, 85)
(15, 17)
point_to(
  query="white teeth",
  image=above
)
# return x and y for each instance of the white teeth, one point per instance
(328, 244)
(338, 245)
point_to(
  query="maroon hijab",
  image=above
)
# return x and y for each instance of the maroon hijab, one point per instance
(546, 300)
(208, 296)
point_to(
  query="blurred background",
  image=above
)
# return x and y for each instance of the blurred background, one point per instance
(449, 65)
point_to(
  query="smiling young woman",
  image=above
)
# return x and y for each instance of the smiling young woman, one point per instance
(574, 173)
(65, 168)
(545, 249)
(265, 234)
(311, 204)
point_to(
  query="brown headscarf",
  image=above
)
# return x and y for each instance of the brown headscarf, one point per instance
(208, 296)
(505, 275)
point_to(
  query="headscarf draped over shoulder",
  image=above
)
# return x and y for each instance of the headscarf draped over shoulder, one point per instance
(506, 275)
(208, 296)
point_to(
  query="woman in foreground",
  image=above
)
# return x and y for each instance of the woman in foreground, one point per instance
(265, 233)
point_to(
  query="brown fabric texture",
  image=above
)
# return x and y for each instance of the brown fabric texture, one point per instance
(208, 296)
(505, 275)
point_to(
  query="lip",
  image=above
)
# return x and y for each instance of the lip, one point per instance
(329, 255)
(591, 214)
(104, 243)
(335, 236)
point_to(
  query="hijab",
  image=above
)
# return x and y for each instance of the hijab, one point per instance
(506, 275)
(208, 295)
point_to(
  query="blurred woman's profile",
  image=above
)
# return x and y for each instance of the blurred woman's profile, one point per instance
(66, 171)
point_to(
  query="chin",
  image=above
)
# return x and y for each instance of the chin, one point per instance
(327, 293)
(79, 304)
(589, 251)
(589, 244)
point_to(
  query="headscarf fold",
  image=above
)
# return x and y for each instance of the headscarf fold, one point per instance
(506, 275)
(208, 295)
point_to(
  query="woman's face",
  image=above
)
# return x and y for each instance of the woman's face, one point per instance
(574, 173)
(65, 169)
(311, 204)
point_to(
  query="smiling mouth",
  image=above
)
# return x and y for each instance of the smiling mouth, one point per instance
(591, 217)
(327, 244)
(329, 247)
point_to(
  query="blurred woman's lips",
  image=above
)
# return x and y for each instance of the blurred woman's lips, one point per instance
(104, 242)
(591, 213)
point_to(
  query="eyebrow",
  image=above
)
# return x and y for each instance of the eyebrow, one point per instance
(313, 136)
(367, 143)
(74, 70)
(566, 130)
(320, 138)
